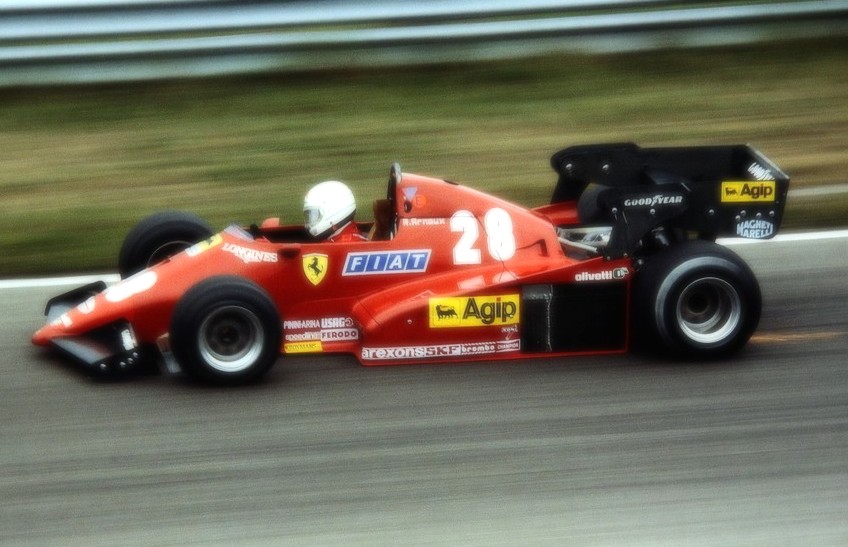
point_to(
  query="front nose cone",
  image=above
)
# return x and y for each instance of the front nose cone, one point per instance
(43, 335)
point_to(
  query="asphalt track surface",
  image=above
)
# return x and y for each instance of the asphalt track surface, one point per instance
(590, 451)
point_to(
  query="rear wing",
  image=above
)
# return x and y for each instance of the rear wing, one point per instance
(711, 190)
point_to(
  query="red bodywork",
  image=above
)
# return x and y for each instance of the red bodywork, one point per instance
(456, 282)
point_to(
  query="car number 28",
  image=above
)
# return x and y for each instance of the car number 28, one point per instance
(500, 240)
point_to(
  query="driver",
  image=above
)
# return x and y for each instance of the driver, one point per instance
(328, 210)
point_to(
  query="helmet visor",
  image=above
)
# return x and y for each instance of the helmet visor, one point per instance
(311, 216)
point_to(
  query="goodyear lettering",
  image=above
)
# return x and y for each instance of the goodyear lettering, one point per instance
(653, 201)
(393, 262)
(747, 192)
(474, 311)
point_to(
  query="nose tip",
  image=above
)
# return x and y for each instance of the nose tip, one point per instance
(42, 336)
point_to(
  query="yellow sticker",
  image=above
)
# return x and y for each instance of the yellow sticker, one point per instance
(308, 346)
(474, 311)
(204, 245)
(315, 267)
(747, 191)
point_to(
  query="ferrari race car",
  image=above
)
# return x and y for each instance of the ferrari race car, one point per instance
(624, 254)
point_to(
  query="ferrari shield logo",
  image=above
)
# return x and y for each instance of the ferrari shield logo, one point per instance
(315, 267)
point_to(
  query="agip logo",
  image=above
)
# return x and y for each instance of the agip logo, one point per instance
(474, 311)
(748, 192)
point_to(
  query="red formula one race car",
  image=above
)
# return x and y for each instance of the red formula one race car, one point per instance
(624, 253)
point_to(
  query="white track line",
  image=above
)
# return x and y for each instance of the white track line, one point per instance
(56, 281)
(800, 236)
(113, 278)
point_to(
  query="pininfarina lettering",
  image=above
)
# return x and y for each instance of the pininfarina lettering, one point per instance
(326, 329)
(653, 201)
(301, 324)
(249, 255)
(606, 275)
(389, 262)
(755, 229)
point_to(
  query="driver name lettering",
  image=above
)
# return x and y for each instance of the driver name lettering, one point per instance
(423, 221)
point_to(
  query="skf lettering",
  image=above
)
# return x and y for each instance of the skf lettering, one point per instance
(474, 311)
(747, 192)
(394, 262)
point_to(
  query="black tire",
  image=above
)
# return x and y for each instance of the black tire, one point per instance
(159, 236)
(696, 300)
(588, 209)
(225, 331)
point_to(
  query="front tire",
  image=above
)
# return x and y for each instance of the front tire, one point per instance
(159, 236)
(226, 331)
(696, 299)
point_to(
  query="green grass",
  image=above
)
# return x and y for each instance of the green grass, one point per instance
(81, 164)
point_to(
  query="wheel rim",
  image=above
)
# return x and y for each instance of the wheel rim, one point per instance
(709, 310)
(231, 339)
(167, 250)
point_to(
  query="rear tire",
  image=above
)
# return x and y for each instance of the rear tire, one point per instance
(159, 236)
(225, 330)
(697, 300)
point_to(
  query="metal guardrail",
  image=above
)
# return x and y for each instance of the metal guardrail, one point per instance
(61, 41)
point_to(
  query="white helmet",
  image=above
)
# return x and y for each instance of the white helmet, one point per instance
(329, 206)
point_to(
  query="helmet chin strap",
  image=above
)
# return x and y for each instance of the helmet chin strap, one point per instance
(337, 230)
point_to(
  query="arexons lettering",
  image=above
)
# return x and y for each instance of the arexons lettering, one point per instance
(446, 350)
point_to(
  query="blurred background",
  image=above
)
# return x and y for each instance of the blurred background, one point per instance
(111, 110)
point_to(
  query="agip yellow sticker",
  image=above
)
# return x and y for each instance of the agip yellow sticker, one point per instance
(474, 311)
(748, 191)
